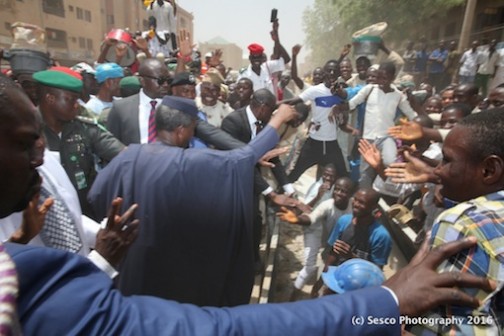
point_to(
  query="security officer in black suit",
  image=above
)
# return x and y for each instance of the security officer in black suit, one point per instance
(78, 140)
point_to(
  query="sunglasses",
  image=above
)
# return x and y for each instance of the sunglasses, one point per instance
(160, 80)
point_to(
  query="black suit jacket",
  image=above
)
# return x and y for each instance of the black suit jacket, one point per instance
(237, 124)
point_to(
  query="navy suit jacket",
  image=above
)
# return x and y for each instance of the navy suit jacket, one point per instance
(65, 294)
(236, 124)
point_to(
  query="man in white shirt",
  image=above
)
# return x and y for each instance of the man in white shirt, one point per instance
(469, 64)
(488, 67)
(262, 72)
(382, 101)
(317, 225)
(322, 146)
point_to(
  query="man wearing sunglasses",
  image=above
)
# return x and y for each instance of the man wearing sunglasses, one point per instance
(131, 118)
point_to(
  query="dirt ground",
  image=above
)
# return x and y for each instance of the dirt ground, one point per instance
(289, 263)
(290, 252)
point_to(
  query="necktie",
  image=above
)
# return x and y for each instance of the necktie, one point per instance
(59, 229)
(259, 126)
(152, 122)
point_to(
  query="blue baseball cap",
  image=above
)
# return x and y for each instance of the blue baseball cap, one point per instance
(105, 71)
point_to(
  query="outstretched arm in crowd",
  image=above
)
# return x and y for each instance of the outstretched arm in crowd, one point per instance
(294, 70)
(278, 48)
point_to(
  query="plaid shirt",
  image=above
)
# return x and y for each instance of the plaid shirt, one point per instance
(483, 218)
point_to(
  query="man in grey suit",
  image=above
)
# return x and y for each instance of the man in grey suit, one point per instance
(128, 120)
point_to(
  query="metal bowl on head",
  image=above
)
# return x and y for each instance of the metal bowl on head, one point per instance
(122, 39)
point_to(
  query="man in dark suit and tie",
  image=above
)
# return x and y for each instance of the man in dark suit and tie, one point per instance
(131, 118)
(244, 124)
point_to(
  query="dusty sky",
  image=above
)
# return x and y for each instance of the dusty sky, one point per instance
(244, 21)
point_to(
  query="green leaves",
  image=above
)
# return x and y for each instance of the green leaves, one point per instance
(329, 24)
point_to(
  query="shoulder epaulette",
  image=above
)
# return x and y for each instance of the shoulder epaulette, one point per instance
(86, 120)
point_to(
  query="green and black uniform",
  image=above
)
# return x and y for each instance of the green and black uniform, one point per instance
(82, 141)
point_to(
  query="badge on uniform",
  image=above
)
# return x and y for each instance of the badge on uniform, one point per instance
(80, 178)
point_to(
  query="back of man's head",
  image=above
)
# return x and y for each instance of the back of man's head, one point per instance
(487, 137)
(263, 96)
(6, 110)
(169, 119)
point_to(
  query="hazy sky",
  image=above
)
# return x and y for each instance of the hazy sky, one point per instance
(244, 21)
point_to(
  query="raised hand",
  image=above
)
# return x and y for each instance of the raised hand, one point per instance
(33, 220)
(296, 49)
(370, 153)
(184, 43)
(120, 232)
(216, 57)
(412, 171)
(407, 130)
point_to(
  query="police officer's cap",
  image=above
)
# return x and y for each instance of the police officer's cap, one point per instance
(183, 78)
(129, 82)
(187, 106)
(61, 78)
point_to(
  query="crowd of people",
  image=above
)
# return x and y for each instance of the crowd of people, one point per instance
(155, 174)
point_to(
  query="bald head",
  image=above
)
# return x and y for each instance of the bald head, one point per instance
(466, 93)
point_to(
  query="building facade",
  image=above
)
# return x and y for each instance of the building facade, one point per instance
(232, 55)
(75, 29)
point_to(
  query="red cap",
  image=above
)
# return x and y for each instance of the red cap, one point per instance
(67, 71)
(255, 49)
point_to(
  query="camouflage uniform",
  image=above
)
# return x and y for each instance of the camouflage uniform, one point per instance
(81, 141)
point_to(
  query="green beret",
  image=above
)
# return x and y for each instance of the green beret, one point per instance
(58, 79)
(130, 82)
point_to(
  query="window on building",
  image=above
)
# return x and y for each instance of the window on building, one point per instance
(110, 19)
(70, 8)
(80, 13)
(54, 7)
(87, 15)
(56, 38)
(89, 44)
(490, 16)
(7, 26)
(82, 43)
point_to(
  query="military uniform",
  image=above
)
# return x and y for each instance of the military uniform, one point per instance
(81, 139)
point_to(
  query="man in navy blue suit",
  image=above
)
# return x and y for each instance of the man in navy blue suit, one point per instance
(64, 294)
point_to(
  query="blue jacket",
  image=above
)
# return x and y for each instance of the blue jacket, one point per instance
(65, 294)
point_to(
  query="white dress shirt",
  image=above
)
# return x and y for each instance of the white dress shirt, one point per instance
(144, 109)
